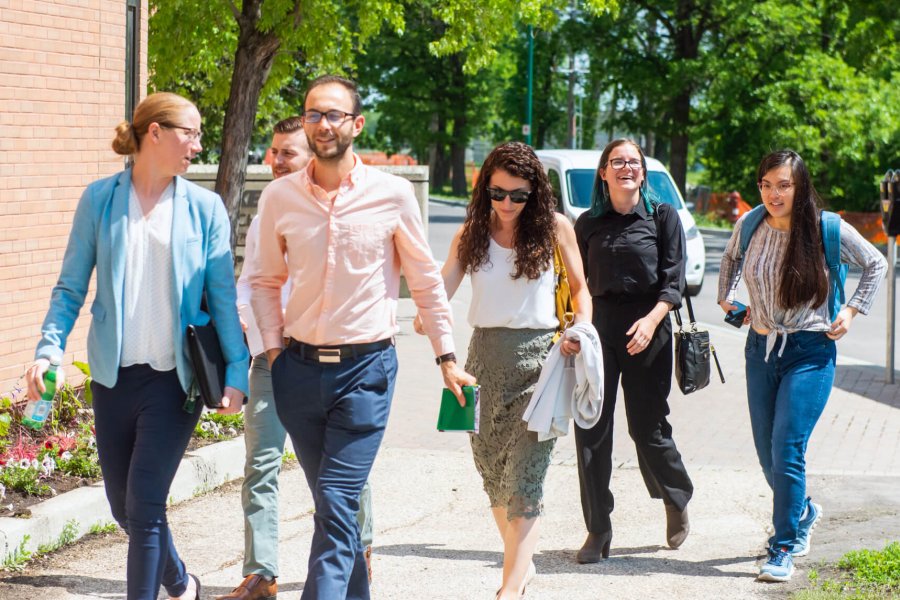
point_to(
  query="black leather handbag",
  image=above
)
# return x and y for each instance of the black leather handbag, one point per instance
(692, 353)
(208, 361)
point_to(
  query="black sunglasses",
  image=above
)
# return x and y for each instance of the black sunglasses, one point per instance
(516, 196)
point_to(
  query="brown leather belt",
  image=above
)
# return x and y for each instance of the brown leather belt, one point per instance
(335, 354)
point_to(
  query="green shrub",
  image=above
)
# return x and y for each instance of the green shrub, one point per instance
(214, 426)
(25, 480)
(83, 462)
(712, 221)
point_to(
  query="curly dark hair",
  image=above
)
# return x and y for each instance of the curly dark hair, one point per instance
(804, 277)
(535, 236)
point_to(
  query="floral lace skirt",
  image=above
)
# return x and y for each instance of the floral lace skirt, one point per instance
(510, 459)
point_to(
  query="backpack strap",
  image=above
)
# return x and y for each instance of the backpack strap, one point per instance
(748, 226)
(837, 273)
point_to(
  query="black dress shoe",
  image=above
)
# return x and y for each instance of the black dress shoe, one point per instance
(595, 547)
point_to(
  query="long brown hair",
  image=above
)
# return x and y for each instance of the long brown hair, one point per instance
(535, 235)
(803, 277)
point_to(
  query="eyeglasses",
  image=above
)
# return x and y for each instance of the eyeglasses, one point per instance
(193, 135)
(515, 196)
(620, 163)
(334, 117)
(767, 189)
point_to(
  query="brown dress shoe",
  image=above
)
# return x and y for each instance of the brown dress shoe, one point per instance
(595, 547)
(677, 526)
(368, 556)
(253, 587)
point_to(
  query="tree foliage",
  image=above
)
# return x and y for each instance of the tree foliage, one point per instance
(820, 77)
(253, 48)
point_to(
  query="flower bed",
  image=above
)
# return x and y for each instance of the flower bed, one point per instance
(35, 465)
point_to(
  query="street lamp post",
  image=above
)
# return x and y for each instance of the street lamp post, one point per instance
(526, 129)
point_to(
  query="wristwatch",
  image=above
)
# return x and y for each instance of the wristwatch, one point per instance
(444, 358)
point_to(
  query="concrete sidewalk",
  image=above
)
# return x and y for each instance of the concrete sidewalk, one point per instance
(434, 537)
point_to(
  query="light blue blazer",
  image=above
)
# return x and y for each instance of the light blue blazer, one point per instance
(201, 258)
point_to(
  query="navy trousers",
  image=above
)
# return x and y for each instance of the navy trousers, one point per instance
(142, 433)
(335, 414)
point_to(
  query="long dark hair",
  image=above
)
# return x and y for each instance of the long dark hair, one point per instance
(600, 202)
(803, 277)
(535, 235)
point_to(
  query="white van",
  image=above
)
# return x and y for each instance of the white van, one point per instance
(571, 174)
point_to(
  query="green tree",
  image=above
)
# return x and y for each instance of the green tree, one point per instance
(428, 103)
(252, 47)
(820, 77)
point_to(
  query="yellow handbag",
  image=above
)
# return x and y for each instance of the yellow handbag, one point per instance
(564, 311)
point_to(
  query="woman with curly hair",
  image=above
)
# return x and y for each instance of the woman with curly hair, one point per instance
(506, 245)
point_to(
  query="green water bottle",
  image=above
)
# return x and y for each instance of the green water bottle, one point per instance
(37, 411)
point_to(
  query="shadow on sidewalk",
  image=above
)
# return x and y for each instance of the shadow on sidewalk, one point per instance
(869, 382)
(93, 586)
(622, 561)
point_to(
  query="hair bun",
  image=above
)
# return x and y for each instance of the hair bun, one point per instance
(125, 142)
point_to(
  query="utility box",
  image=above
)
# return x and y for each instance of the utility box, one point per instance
(890, 202)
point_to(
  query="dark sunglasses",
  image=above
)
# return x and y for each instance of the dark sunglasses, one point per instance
(516, 197)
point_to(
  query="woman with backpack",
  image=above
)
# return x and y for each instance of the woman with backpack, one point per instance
(633, 250)
(786, 251)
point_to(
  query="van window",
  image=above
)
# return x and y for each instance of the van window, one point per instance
(662, 184)
(553, 176)
(581, 185)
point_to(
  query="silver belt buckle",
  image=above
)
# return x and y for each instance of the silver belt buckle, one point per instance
(329, 355)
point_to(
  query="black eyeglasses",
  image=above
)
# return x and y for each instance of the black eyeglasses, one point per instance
(515, 196)
(620, 163)
(334, 116)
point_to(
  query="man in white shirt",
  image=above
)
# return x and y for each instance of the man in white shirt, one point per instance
(264, 434)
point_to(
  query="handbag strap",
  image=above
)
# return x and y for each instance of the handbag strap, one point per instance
(690, 309)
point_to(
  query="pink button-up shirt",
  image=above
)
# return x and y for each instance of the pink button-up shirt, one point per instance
(343, 257)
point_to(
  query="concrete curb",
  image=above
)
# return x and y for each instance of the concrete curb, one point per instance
(200, 471)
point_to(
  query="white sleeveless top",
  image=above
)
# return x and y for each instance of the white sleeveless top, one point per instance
(498, 300)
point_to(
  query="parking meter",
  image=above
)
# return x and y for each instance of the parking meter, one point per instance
(890, 202)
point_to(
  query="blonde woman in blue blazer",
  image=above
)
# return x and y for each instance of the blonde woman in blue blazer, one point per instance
(156, 241)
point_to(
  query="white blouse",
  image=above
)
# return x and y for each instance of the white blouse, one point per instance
(148, 335)
(498, 300)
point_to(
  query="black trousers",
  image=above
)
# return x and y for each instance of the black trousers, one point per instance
(646, 382)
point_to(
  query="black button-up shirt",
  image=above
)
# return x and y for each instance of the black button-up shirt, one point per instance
(623, 259)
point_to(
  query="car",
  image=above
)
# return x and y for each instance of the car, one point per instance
(571, 174)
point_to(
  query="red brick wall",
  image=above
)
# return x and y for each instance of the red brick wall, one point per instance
(62, 91)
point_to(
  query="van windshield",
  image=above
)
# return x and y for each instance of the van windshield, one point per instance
(581, 182)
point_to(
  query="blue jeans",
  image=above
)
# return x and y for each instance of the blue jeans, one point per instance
(335, 414)
(264, 436)
(786, 396)
(142, 433)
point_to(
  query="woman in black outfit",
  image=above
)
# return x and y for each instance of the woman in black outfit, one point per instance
(633, 252)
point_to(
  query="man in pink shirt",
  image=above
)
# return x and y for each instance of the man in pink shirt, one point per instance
(341, 231)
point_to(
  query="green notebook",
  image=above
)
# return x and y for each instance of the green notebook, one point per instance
(454, 417)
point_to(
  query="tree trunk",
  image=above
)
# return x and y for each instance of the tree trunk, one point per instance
(458, 163)
(687, 45)
(437, 162)
(252, 63)
(681, 119)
